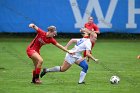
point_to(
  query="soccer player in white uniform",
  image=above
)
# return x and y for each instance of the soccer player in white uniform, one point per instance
(80, 46)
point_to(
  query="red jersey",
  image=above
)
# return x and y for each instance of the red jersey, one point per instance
(40, 40)
(91, 26)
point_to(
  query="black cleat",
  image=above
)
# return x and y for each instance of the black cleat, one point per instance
(81, 82)
(43, 72)
(33, 80)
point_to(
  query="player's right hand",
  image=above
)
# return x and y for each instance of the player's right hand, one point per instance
(72, 53)
(96, 60)
(31, 25)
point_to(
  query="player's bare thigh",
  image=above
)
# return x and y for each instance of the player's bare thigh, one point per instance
(36, 58)
(65, 66)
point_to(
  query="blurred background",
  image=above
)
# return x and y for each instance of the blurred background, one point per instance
(115, 18)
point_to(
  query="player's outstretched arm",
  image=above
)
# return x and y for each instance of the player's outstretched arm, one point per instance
(62, 48)
(90, 56)
(97, 32)
(70, 42)
(33, 26)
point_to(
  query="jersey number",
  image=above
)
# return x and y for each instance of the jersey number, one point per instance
(80, 42)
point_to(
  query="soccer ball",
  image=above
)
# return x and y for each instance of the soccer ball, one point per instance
(138, 57)
(114, 80)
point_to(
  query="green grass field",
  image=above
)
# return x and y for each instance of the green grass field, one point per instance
(117, 57)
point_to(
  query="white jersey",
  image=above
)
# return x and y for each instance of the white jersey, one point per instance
(81, 45)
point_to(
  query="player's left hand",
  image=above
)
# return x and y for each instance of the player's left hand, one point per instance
(31, 25)
(96, 60)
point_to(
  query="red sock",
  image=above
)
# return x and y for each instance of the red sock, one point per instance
(37, 71)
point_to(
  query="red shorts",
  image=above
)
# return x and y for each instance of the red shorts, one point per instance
(30, 52)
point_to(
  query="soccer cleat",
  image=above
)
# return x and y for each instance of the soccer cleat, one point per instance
(33, 80)
(38, 81)
(43, 72)
(81, 82)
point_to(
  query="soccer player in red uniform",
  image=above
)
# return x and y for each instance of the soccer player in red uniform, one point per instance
(33, 50)
(91, 26)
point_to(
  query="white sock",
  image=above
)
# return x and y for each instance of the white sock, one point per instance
(82, 76)
(53, 69)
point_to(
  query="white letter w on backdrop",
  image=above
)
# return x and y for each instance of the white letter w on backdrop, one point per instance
(103, 22)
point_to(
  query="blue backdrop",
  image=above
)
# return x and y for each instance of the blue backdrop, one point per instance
(121, 16)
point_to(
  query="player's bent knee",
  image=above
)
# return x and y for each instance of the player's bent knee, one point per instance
(40, 62)
(84, 65)
(62, 69)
